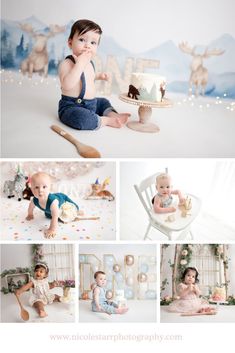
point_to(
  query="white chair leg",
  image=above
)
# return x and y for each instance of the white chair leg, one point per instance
(191, 234)
(147, 231)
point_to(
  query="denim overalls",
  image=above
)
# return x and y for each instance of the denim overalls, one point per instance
(83, 114)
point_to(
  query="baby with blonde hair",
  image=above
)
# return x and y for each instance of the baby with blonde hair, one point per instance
(50, 203)
(163, 199)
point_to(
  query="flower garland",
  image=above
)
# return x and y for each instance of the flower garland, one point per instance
(184, 259)
(38, 253)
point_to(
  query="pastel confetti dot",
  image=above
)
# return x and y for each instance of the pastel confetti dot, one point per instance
(64, 238)
(78, 230)
(83, 229)
(16, 237)
(88, 237)
(16, 233)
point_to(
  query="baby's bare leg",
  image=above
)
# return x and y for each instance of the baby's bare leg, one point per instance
(40, 309)
(57, 298)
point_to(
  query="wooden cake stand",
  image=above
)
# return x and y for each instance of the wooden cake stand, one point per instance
(145, 113)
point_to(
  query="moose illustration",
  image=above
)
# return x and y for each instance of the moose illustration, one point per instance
(199, 74)
(133, 92)
(37, 60)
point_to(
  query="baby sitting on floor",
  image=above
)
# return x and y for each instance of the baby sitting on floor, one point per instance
(56, 206)
(99, 302)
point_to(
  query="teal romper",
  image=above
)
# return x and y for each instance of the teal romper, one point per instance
(62, 198)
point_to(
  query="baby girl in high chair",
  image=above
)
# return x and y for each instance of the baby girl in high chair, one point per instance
(56, 206)
(99, 302)
(40, 289)
(163, 199)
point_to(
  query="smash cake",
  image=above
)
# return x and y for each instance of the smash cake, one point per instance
(147, 87)
(219, 294)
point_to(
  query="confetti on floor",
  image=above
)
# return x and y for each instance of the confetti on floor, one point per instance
(14, 226)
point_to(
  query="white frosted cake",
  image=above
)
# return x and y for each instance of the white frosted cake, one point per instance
(147, 87)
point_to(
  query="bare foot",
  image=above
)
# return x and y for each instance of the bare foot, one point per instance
(121, 310)
(122, 117)
(115, 120)
(42, 313)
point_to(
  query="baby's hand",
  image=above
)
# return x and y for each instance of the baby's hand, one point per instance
(49, 233)
(29, 217)
(84, 58)
(17, 292)
(54, 284)
(172, 209)
(181, 201)
(104, 76)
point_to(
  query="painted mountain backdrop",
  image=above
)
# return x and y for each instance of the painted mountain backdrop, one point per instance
(174, 64)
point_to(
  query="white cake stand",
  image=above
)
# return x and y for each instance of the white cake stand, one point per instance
(145, 113)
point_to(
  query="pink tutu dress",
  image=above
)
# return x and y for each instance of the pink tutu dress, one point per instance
(189, 302)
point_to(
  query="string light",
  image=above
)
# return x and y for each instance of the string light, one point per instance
(11, 77)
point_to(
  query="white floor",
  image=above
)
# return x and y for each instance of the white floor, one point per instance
(13, 225)
(205, 228)
(57, 312)
(226, 313)
(29, 108)
(139, 311)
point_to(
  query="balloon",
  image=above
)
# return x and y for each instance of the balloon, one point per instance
(109, 294)
(109, 285)
(129, 260)
(129, 281)
(129, 294)
(119, 277)
(150, 294)
(109, 260)
(142, 277)
(82, 258)
(144, 268)
(116, 268)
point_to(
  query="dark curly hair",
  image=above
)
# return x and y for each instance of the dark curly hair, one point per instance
(190, 269)
(83, 26)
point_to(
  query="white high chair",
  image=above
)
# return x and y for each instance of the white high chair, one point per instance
(146, 190)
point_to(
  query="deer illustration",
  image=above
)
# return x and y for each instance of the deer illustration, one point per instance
(37, 60)
(199, 74)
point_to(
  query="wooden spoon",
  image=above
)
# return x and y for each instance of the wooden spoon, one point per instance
(23, 313)
(84, 150)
